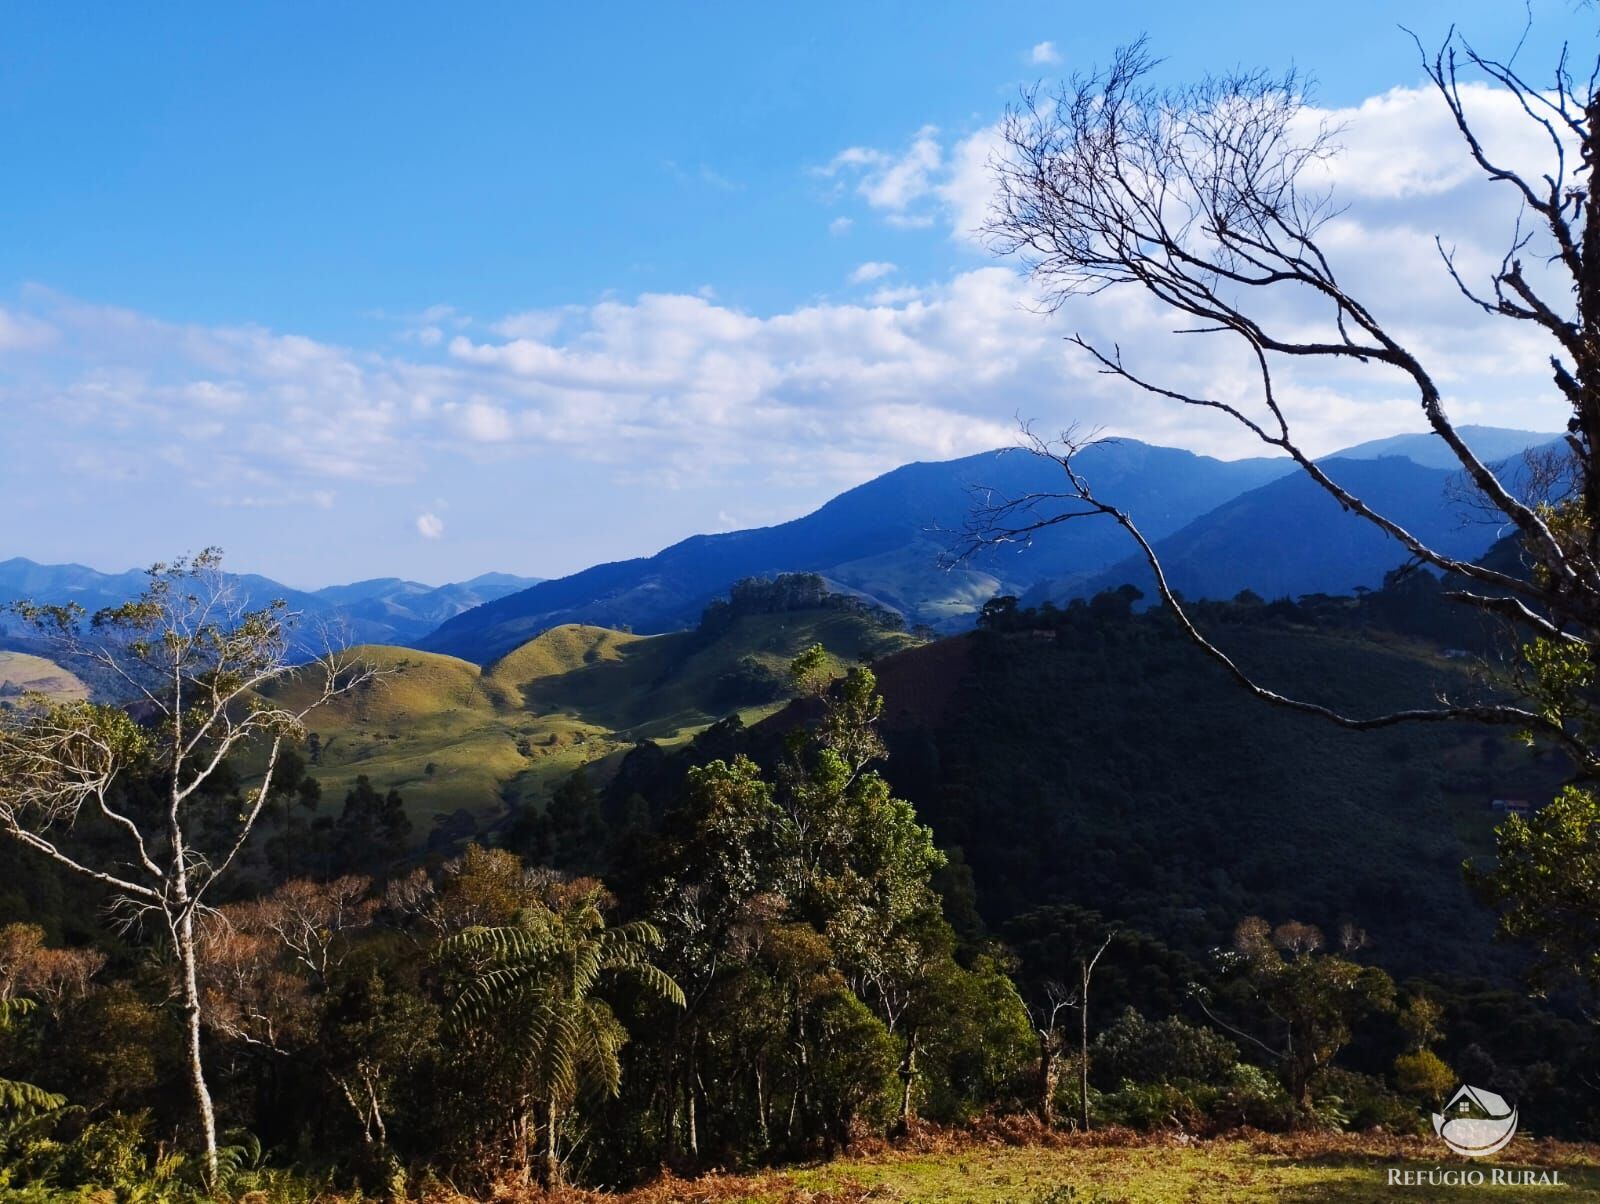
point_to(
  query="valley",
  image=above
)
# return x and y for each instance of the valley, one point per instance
(453, 737)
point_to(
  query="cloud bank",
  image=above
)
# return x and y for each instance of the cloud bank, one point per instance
(675, 388)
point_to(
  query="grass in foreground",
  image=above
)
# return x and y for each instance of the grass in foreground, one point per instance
(1126, 1169)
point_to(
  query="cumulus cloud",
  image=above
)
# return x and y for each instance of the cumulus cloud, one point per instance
(871, 270)
(1400, 176)
(840, 226)
(1044, 54)
(892, 180)
(430, 526)
(675, 389)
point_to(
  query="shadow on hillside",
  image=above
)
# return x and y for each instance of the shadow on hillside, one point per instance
(613, 692)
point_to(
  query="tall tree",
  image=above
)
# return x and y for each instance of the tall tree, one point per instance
(1308, 998)
(539, 976)
(1207, 200)
(209, 680)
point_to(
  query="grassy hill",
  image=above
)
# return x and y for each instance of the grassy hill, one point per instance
(449, 735)
(22, 673)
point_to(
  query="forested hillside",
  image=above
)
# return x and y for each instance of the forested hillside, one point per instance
(1091, 755)
(814, 899)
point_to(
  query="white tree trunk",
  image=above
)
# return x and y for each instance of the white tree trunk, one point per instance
(187, 960)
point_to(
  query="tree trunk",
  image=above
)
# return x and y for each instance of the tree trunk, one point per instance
(187, 963)
(691, 1076)
(908, 1075)
(1083, 1052)
(763, 1105)
(1587, 421)
(552, 1144)
(1047, 1076)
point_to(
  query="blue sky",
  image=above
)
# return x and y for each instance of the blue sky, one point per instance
(392, 289)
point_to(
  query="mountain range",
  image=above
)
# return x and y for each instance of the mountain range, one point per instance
(1228, 524)
(384, 610)
(1220, 526)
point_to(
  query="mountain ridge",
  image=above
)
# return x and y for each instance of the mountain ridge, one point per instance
(378, 610)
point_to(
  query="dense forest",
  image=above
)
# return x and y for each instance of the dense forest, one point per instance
(1056, 868)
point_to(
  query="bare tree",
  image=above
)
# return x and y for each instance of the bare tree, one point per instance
(1086, 965)
(1204, 198)
(126, 796)
(1046, 1016)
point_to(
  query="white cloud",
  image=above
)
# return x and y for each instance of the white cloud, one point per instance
(22, 332)
(891, 181)
(871, 270)
(840, 226)
(430, 526)
(1044, 55)
(896, 296)
(483, 422)
(676, 389)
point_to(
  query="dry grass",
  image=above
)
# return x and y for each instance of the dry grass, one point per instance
(1017, 1161)
(23, 672)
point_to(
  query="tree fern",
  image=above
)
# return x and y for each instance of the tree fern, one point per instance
(537, 978)
(23, 1098)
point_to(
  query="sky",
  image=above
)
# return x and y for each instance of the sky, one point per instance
(426, 291)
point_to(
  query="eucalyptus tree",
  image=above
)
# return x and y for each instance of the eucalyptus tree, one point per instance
(125, 793)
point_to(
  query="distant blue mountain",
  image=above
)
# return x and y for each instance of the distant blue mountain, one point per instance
(882, 539)
(386, 610)
(1290, 537)
(1220, 525)
(1491, 444)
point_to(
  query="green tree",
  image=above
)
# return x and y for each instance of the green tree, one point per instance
(536, 979)
(810, 672)
(1425, 1075)
(1312, 999)
(373, 830)
(1542, 883)
(716, 872)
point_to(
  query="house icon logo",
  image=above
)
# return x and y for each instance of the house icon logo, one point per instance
(1476, 1122)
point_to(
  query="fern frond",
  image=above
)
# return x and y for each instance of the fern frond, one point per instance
(10, 1009)
(26, 1098)
(494, 989)
(658, 981)
(504, 943)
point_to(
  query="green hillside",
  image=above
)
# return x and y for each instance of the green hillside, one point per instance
(451, 736)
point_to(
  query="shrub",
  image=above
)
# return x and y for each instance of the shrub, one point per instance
(1256, 1098)
(1424, 1076)
(1135, 1050)
(1357, 1102)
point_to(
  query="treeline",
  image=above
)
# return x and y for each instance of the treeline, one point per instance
(775, 962)
(784, 593)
